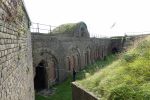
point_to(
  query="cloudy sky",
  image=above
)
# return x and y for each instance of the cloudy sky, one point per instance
(103, 17)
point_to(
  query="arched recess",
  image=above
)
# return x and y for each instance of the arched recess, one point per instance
(52, 70)
(94, 53)
(98, 49)
(51, 74)
(91, 56)
(85, 58)
(81, 30)
(97, 55)
(88, 56)
(103, 52)
(73, 59)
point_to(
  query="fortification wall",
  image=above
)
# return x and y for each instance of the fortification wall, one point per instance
(16, 74)
(60, 55)
(70, 52)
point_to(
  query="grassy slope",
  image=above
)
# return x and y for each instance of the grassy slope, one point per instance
(127, 78)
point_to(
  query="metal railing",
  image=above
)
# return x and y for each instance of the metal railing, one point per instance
(41, 28)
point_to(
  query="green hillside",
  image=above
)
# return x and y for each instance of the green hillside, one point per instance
(127, 78)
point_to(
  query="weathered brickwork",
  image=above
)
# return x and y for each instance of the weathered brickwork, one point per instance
(54, 56)
(62, 54)
(16, 72)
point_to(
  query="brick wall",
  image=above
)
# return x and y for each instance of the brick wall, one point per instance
(16, 72)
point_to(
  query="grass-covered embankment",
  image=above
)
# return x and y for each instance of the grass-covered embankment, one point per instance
(127, 78)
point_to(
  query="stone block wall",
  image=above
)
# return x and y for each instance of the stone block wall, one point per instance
(16, 72)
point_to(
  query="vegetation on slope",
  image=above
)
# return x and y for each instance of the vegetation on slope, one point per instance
(65, 28)
(127, 78)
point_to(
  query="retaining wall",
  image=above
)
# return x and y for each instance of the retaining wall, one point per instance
(79, 93)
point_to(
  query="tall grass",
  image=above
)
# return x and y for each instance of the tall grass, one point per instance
(127, 78)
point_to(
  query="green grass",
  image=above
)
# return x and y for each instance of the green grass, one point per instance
(63, 92)
(127, 78)
(97, 66)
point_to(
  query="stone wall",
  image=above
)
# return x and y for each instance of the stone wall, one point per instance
(62, 54)
(58, 55)
(80, 94)
(16, 71)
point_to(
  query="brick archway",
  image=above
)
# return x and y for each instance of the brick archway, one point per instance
(48, 71)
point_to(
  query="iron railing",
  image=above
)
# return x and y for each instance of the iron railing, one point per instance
(41, 28)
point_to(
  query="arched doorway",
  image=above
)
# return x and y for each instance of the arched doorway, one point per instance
(73, 58)
(40, 80)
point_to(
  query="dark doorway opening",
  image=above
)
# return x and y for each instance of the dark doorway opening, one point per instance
(115, 50)
(40, 77)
